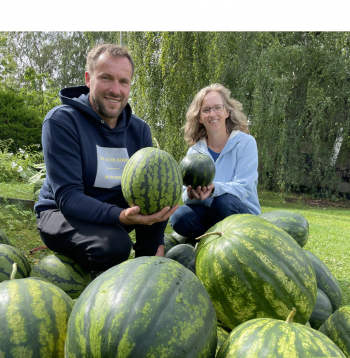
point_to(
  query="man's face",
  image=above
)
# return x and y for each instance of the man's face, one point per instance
(110, 85)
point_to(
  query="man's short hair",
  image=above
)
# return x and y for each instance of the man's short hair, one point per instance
(110, 49)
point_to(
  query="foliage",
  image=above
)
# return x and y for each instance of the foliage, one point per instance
(294, 89)
(17, 166)
(17, 121)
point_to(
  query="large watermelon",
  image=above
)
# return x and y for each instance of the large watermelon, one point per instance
(33, 319)
(197, 170)
(4, 240)
(326, 280)
(63, 272)
(254, 269)
(146, 307)
(337, 328)
(293, 223)
(9, 255)
(266, 337)
(151, 180)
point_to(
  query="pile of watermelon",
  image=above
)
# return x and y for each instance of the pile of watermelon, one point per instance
(246, 288)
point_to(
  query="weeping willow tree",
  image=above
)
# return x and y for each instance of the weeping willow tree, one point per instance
(294, 88)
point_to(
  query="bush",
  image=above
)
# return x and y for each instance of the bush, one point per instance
(18, 121)
(18, 166)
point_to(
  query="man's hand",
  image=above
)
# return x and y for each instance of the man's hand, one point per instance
(200, 193)
(160, 251)
(131, 216)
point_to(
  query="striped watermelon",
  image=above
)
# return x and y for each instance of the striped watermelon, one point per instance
(9, 255)
(151, 180)
(169, 242)
(254, 269)
(322, 310)
(267, 337)
(34, 317)
(197, 170)
(182, 253)
(337, 328)
(291, 222)
(222, 336)
(146, 307)
(63, 272)
(4, 239)
(326, 280)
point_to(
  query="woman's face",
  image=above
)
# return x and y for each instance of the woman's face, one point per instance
(215, 121)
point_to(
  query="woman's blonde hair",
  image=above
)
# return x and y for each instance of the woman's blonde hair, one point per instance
(195, 131)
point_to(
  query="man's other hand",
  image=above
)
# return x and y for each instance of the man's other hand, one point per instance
(131, 216)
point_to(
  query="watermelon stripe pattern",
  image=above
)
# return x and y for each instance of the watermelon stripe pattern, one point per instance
(145, 307)
(151, 180)
(254, 270)
(4, 239)
(63, 272)
(9, 255)
(337, 328)
(34, 316)
(266, 337)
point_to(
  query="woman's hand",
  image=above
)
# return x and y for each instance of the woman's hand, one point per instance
(200, 193)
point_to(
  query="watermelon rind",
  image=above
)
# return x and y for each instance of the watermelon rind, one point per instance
(4, 239)
(146, 307)
(10, 255)
(63, 272)
(266, 337)
(34, 317)
(169, 242)
(291, 222)
(251, 269)
(322, 310)
(182, 253)
(337, 328)
(326, 281)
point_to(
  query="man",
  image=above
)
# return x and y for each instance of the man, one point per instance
(86, 142)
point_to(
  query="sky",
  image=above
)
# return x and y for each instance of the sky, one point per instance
(179, 15)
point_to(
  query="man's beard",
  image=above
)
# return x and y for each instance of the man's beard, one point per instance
(102, 111)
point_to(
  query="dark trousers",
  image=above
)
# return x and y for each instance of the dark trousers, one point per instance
(97, 247)
(193, 221)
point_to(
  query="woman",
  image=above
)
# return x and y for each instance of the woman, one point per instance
(216, 127)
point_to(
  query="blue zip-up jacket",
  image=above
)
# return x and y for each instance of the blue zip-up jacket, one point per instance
(236, 170)
(85, 158)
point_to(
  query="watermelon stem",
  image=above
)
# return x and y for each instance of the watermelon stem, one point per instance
(291, 315)
(211, 233)
(14, 271)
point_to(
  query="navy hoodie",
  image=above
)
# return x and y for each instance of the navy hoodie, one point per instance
(85, 158)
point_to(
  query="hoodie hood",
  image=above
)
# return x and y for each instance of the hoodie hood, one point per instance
(78, 97)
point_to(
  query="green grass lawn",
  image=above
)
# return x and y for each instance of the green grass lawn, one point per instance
(329, 237)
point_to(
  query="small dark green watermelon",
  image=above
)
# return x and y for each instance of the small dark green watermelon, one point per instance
(169, 242)
(291, 222)
(337, 328)
(4, 239)
(182, 253)
(192, 265)
(9, 255)
(151, 180)
(63, 272)
(267, 337)
(197, 170)
(182, 239)
(322, 310)
(326, 281)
